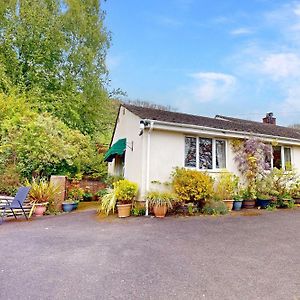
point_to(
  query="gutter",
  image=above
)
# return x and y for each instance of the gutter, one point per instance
(221, 132)
(148, 164)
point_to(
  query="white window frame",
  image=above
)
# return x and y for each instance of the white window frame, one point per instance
(214, 154)
(282, 157)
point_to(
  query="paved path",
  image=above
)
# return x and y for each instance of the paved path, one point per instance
(76, 256)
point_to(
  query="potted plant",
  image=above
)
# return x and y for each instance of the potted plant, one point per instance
(108, 202)
(75, 195)
(69, 205)
(125, 192)
(249, 199)
(41, 193)
(160, 202)
(226, 187)
(238, 201)
(295, 191)
(263, 200)
(87, 196)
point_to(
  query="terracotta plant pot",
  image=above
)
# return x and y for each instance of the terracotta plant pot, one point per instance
(40, 209)
(124, 210)
(229, 204)
(160, 211)
(249, 203)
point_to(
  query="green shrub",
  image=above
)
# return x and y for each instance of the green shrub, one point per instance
(108, 203)
(226, 186)
(9, 181)
(156, 198)
(213, 207)
(192, 185)
(125, 190)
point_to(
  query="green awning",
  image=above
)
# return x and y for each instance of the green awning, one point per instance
(117, 148)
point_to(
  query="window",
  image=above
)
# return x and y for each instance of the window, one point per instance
(205, 153)
(287, 159)
(220, 154)
(282, 158)
(277, 163)
(190, 152)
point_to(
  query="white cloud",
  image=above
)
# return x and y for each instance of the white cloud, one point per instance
(281, 65)
(241, 31)
(211, 86)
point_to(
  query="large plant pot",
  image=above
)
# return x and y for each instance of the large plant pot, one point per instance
(40, 209)
(249, 203)
(237, 205)
(297, 200)
(160, 211)
(67, 207)
(124, 210)
(229, 204)
(263, 203)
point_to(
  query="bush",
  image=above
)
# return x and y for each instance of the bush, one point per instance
(125, 190)
(227, 186)
(156, 198)
(9, 181)
(192, 185)
(213, 207)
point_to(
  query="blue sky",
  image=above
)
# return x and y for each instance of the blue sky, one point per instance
(237, 58)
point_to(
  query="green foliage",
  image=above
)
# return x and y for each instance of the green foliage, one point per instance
(101, 193)
(76, 194)
(125, 190)
(213, 207)
(41, 191)
(138, 211)
(54, 104)
(40, 144)
(9, 181)
(226, 186)
(108, 203)
(156, 198)
(192, 185)
(56, 54)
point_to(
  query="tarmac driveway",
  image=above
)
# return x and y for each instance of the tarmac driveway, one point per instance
(76, 256)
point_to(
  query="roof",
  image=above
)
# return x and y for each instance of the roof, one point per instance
(219, 122)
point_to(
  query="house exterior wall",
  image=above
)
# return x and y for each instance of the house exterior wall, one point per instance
(127, 126)
(158, 151)
(167, 152)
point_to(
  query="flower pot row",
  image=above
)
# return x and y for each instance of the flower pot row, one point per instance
(252, 203)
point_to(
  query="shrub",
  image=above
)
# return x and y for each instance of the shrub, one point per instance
(227, 186)
(156, 198)
(75, 194)
(125, 190)
(213, 207)
(9, 181)
(108, 203)
(192, 185)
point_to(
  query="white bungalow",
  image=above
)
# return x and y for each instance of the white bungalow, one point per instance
(147, 143)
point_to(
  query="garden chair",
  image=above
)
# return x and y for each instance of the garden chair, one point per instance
(17, 203)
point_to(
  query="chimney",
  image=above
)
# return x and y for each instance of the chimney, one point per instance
(269, 119)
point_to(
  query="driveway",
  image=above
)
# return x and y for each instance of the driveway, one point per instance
(76, 256)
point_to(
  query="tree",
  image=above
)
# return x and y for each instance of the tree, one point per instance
(54, 51)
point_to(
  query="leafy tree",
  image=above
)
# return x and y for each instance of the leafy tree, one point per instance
(55, 51)
(41, 145)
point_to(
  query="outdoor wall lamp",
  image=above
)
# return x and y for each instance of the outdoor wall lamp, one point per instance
(143, 124)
